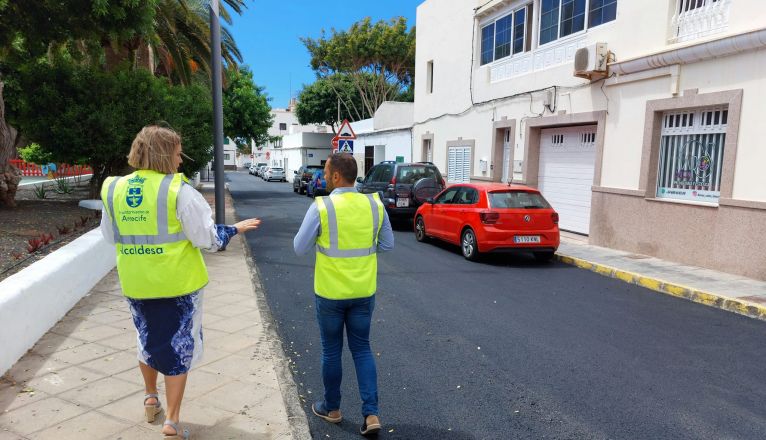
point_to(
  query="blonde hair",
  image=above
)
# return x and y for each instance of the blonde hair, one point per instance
(154, 149)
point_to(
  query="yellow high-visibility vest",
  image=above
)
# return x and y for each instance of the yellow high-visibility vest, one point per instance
(154, 258)
(346, 251)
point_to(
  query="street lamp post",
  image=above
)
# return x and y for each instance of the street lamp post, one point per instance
(216, 63)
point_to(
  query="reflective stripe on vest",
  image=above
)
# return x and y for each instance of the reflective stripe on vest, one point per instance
(162, 237)
(334, 250)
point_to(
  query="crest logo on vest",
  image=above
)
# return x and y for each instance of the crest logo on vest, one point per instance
(135, 192)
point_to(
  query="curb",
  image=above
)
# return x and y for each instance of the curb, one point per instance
(299, 424)
(745, 308)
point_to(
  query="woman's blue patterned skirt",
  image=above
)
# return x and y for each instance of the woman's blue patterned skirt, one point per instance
(169, 332)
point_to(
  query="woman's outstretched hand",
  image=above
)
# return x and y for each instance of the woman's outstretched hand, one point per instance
(247, 225)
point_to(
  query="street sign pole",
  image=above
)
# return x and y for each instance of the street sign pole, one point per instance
(216, 62)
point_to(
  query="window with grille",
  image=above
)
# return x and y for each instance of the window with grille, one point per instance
(691, 155)
(694, 19)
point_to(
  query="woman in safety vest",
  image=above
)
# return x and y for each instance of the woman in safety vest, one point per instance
(158, 224)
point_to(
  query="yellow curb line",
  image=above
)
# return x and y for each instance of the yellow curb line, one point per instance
(746, 308)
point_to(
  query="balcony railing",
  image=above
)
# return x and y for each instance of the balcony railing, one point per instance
(698, 18)
(541, 58)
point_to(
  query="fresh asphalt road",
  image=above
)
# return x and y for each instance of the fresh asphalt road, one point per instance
(512, 349)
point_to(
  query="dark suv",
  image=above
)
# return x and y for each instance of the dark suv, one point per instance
(302, 177)
(403, 186)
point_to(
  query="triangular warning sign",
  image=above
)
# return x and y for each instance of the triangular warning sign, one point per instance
(345, 131)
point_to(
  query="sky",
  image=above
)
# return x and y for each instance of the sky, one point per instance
(268, 35)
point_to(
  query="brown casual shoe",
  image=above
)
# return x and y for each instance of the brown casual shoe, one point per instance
(371, 425)
(320, 411)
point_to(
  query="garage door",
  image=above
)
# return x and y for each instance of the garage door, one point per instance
(567, 162)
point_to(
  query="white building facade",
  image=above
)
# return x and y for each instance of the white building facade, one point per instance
(659, 155)
(302, 149)
(387, 136)
(285, 124)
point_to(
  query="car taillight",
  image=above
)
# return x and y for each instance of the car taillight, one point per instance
(555, 218)
(393, 180)
(489, 217)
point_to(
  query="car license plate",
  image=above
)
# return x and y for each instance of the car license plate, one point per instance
(526, 239)
(403, 203)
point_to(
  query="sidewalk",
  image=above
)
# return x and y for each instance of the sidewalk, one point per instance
(725, 291)
(81, 380)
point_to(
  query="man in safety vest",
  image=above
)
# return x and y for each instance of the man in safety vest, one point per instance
(348, 230)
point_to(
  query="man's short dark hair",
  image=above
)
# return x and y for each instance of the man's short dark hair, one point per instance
(345, 165)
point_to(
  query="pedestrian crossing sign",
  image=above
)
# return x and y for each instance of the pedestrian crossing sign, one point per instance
(346, 146)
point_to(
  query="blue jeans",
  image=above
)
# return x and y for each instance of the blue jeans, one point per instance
(355, 315)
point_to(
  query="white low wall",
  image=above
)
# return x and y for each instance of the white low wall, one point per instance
(33, 300)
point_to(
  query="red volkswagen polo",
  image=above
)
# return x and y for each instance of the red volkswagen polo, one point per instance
(483, 218)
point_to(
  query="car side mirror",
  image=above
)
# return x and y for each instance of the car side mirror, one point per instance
(359, 180)
(430, 201)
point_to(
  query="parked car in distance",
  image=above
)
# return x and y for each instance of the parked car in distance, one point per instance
(483, 218)
(247, 165)
(261, 170)
(302, 176)
(317, 186)
(254, 167)
(274, 173)
(403, 186)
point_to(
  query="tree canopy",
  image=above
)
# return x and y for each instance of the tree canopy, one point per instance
(246, 111)
(318, 102)
(378, 57)
(85, 115)
(82, 76)
(30, 26)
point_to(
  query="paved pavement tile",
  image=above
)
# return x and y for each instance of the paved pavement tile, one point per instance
(99, 393)
(64, 380)
(81, 381)
(138, 433)
(89, 425)
(19, 395)
(40, 415)
(7, 435)
(33, 365)
(113, 363)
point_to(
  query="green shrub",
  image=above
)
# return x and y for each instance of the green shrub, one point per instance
(34, 153)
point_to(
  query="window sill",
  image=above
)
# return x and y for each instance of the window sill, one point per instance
(509, 58)
(562, 40)
(682, 202)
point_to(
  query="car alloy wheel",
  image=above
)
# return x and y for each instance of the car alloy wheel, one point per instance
(469, 246)
(420, 229)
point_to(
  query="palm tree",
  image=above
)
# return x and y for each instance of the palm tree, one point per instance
(182, 38)
(178, 44)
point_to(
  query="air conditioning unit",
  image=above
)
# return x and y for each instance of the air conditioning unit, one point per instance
(591, 62)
